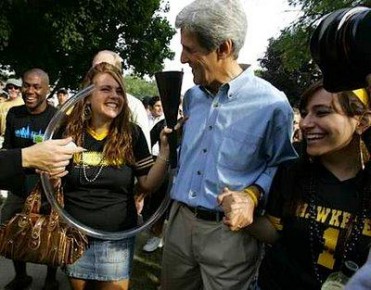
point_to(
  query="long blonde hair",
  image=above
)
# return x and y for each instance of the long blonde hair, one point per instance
(118, 148)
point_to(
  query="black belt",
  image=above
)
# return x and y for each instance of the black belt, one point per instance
(205, 214)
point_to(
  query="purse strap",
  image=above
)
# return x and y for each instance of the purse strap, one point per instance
(54, 216)
(33, 203)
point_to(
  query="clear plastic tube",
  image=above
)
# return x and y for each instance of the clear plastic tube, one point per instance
(54, 124)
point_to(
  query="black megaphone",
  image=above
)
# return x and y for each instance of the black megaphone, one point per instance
(169, 84)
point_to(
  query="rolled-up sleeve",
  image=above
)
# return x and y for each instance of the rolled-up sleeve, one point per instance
(278, 146)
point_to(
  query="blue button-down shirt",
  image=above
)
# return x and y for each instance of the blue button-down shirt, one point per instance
(233, 139)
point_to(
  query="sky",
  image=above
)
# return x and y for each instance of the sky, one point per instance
(265, 20)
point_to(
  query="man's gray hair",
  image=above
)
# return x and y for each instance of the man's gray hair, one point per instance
(215, 21)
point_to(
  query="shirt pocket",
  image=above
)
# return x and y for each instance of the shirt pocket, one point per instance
(238, 150)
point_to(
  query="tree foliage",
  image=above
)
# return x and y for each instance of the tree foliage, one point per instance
(61, 37)
(292, 82)
(140, 87)
(287, 62)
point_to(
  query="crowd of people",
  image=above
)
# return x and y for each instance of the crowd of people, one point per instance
(260, 199)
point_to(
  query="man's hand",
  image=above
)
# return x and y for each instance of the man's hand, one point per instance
(51, 156)
(238, 209)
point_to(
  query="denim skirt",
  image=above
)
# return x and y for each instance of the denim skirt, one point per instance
(104, 260)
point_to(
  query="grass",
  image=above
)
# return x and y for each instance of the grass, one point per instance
(147, 267)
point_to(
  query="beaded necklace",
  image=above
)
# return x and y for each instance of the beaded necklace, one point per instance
(95, 175)
(354, 229)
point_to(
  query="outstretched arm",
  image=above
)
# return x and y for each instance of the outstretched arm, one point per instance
(51, 156)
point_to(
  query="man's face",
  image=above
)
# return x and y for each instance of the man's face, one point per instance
(34, 92)
(13, 91)
(62, 98)
(203, 64)
(156, 110)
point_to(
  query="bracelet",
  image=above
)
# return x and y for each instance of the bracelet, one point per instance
(163, 159)
(253, 193)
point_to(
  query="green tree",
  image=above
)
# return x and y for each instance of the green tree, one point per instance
(291, 81)
(61, 37)
(140, 87)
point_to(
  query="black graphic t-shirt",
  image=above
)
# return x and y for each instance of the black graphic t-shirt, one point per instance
(101, 195)
(289, 263)
(24, 129)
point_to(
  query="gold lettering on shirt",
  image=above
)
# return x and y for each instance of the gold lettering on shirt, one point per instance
(334, 221)
(322, 214)
(326, 258)
(90, 158)
(331, 217)
(301, 210)
(367, 228)
(345, 220)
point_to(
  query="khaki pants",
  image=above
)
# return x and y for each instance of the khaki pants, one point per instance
(202, 254)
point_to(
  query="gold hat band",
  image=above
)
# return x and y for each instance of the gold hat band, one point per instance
(362, 95)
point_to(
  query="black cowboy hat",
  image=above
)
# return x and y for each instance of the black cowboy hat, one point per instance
(341, 46)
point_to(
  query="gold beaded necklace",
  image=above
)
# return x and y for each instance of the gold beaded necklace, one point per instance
(84, 162)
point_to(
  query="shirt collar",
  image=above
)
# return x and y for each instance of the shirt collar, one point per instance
(234, 85)
(152, 118)
(237, 83)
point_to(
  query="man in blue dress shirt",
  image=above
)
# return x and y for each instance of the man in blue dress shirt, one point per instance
(238, 131)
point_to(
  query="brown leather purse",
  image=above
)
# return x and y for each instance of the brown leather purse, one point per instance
(43, 239)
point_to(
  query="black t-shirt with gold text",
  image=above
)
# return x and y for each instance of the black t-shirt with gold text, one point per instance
(289, 263)
(107, 202)
(24, 129)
